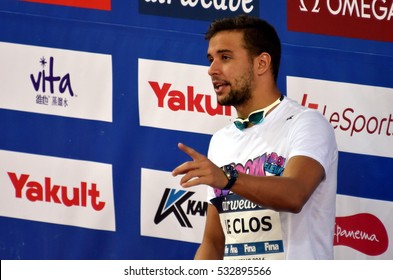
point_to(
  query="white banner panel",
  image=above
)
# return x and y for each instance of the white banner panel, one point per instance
(363, 228)
(179, 96)
(170, 211)
(56, 82)
(56, 190)
(361, 115)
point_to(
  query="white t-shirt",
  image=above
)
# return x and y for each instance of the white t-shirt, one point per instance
(263, 150)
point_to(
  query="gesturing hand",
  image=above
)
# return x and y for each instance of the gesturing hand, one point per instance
(199, 171)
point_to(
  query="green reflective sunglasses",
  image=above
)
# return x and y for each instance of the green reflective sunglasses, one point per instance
(254, 118)
(257, 116)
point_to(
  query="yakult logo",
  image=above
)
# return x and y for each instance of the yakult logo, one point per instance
(31, 191)
(179, 97)
(356, 115)
(356, 18)
(199, 9)
(190, 101)
(85, 195)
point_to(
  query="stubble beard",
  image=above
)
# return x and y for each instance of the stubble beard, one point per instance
(239, 95)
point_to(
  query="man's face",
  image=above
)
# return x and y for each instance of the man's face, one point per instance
(231, 68)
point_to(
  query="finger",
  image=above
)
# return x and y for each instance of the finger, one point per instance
(187, 179)
(191, 179)
(190, 151)
(191, 183)
(184, 168)
(192, 175)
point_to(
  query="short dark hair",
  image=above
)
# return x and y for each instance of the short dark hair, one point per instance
(259, 36)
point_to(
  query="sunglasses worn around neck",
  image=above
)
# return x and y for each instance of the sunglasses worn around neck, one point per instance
(257, 116)
(254, 118)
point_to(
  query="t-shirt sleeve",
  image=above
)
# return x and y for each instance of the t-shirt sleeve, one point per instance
(313, 136)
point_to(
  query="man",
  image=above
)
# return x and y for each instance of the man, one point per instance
(273, 172)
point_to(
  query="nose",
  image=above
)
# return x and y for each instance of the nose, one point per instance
(213, 68)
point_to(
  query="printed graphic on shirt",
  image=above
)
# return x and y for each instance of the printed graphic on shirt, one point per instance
(251, 231)
(267, 163)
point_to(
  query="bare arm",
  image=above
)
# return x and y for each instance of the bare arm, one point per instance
(288, 192)
(212, 246)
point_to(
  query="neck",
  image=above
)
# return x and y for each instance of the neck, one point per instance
(260, 102)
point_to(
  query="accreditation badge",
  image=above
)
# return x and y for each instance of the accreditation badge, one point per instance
(251, 231)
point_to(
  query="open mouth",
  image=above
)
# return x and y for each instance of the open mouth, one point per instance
(219, 85)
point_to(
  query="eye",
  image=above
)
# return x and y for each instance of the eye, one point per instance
(225, 57)
(210, 59)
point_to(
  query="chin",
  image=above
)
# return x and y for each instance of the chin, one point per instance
(222, 101)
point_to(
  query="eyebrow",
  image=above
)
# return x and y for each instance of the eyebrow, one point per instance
(220, 51)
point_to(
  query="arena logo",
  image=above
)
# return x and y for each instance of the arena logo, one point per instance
(180, 97)
(56, 82)
(348, 18)
(358, 119)
(363, 232)
(90, 4)
(199, 9)
(31, 191)
(172, 202)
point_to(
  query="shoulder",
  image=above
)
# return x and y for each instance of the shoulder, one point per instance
(310, 134)
(303, 116)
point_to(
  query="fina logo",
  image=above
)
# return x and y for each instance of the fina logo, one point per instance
(199, 9)
(171, 203)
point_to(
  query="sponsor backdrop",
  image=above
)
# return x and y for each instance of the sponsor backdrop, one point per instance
(95, 95)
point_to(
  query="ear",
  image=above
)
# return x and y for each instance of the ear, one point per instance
(263, 62)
